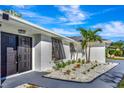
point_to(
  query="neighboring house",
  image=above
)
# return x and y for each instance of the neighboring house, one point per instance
(97, 49)
(26, 46)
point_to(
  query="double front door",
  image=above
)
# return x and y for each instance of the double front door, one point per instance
(16, 54)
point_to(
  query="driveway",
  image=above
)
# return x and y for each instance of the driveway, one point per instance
(107, 80)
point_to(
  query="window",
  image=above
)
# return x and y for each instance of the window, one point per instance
(58, 52)
(72, 49)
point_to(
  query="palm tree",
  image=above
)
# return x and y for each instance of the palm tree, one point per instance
(88, 38)
(92, 38)
(12, 12)
(84, 43)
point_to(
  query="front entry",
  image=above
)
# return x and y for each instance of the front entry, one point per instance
(16, 54)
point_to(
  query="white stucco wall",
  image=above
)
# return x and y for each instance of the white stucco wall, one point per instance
(46, 53)
(96, 53)
(67, 52)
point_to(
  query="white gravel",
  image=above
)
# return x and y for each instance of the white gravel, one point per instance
(81, 74)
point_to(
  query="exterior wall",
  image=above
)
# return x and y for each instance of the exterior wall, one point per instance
(37, 53)
(96, 53)
(46, 53)
(67, 52)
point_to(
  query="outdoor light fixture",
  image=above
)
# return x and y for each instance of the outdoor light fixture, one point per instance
(22, 31)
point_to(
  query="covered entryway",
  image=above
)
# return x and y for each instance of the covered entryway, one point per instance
(16, 54)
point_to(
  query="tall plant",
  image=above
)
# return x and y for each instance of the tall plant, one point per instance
(92, 38)
(84, 42)
(89, 37)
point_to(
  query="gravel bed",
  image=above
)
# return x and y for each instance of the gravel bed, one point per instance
(82, 74)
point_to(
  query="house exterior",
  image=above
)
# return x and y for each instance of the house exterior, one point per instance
(25, 47)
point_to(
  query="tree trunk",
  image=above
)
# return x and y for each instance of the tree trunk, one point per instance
(89, 53)
(77, 56)
(86, 53)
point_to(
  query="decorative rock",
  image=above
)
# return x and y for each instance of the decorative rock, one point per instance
(82, 73)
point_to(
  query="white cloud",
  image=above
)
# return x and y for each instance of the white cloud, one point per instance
(111, 29)
(66, 32)
(19, 6)
(104, 11)
(38, 18)
(72, 14)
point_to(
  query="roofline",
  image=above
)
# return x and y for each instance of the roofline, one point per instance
(37, 27)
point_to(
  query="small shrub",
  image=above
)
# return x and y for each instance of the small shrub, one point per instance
(68, 63)
(73, 61)
(83, 61)
(63, 65)
(92, 67)
(79, 60)
(67, 72)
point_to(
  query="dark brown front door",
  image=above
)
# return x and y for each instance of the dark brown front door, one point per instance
(8, 54)
(16, 54)
(24, 53)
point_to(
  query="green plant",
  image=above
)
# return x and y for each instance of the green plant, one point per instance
(63, 65)
(83, 61)
(112, 52)
(118, 53)
(59, 64)
(68, 63)
(92, 67)
(89, 37)
(73, 61)
(79, 60)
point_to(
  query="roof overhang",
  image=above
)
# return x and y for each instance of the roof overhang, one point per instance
(35, 28)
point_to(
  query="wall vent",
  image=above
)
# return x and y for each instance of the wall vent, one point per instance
(5, 16)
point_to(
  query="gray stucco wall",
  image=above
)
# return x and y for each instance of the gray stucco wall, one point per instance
(36, 52)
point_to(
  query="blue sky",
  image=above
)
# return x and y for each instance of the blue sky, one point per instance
(65, 19)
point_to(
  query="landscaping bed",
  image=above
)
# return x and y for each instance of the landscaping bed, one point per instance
(81, 72)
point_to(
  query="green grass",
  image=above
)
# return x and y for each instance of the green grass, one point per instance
(121, 84)
(116, 58)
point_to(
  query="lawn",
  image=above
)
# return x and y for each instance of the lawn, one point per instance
(121, 84)
(117, 58)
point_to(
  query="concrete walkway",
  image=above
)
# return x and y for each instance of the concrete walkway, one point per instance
(107, 80)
